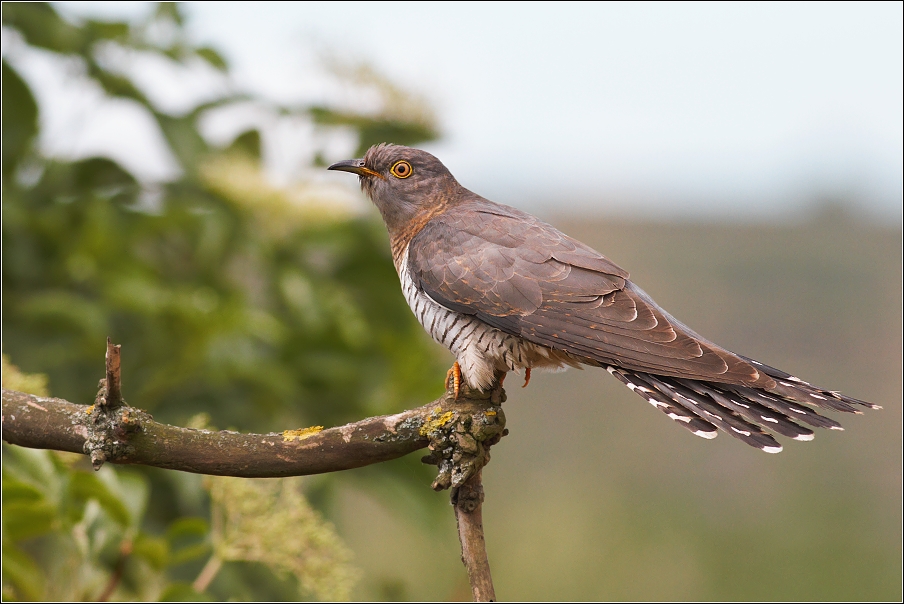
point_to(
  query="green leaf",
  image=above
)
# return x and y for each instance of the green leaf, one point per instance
(42, 26)
(15, 379)
(130, 488)
(27, 519)
(170, 10)
(31, 466)
(214, 58)
(184, 140)
(247, 143)
(153, 550)
(188, 540)
(184, 592)
(20, 118)
(101, 173)
(16, 490)
(117, 85)
(106, 30)
(398, 132)
(373, 130)
(21, 573)
(84, 486)
(187, 527)
(66, 312)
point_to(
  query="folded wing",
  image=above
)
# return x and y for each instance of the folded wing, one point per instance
(524, 277)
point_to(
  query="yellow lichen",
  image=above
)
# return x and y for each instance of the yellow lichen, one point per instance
(90, 410)
(301, 433)
(489, 413)
(432, 424)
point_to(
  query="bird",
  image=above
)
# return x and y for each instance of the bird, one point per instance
(505, 291)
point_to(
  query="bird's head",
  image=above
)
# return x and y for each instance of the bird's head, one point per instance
(402, 182)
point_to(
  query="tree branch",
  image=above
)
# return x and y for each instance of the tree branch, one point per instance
(458, 431)
(468, 502)
(52, 423)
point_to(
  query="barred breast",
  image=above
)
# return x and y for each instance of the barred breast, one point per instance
(480, 349)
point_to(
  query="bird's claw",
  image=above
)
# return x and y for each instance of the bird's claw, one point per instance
(455, 374)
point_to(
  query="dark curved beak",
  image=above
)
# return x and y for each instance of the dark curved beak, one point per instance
(355, 166)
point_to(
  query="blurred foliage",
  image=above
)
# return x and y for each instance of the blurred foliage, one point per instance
(250, 519)
(14, 379)
(229, 297)
(68, 530)
(405, 118)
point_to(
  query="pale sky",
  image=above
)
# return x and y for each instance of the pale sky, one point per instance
(737, 110)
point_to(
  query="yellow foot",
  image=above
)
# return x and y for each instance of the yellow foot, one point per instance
(526, 377)
(454, 373)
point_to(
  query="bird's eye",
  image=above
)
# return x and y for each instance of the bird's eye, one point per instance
(401, 169)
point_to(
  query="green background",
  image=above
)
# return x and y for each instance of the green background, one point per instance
(233, 300)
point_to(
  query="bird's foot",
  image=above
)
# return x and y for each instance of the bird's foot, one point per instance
(454, 374)
(526, 377)
(460, 434)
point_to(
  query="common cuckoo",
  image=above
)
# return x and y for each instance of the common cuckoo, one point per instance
(504, 291)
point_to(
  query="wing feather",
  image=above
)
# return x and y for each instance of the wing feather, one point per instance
(521, 275)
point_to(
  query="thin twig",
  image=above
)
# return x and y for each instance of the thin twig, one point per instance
(208, 573)
(113, 397)
(468, 502)
(125, 550)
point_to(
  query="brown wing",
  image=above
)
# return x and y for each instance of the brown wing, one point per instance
(525, 277)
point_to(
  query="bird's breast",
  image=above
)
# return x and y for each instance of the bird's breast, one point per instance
(452, 329)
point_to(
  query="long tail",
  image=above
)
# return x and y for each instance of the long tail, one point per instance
(704, 408)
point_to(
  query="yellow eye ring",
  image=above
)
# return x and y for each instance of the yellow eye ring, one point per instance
(401, 169)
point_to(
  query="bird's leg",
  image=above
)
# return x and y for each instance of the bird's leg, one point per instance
(497, 395)
(526, 377)
(454, 373)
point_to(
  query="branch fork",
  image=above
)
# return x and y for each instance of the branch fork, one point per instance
(111, 421)
(460, 439)
(457, 430)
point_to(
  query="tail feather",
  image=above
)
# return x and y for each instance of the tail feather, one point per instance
(724, 417)
(806, 394)
(744, 412)
(680, 414)
(790, 408)
(798, 390)
(753, 411)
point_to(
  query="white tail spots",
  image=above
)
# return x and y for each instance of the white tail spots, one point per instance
(769, 419)
(742, 432)
(706, 435)
(777, 449)
(680, 418)
(804, 437)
